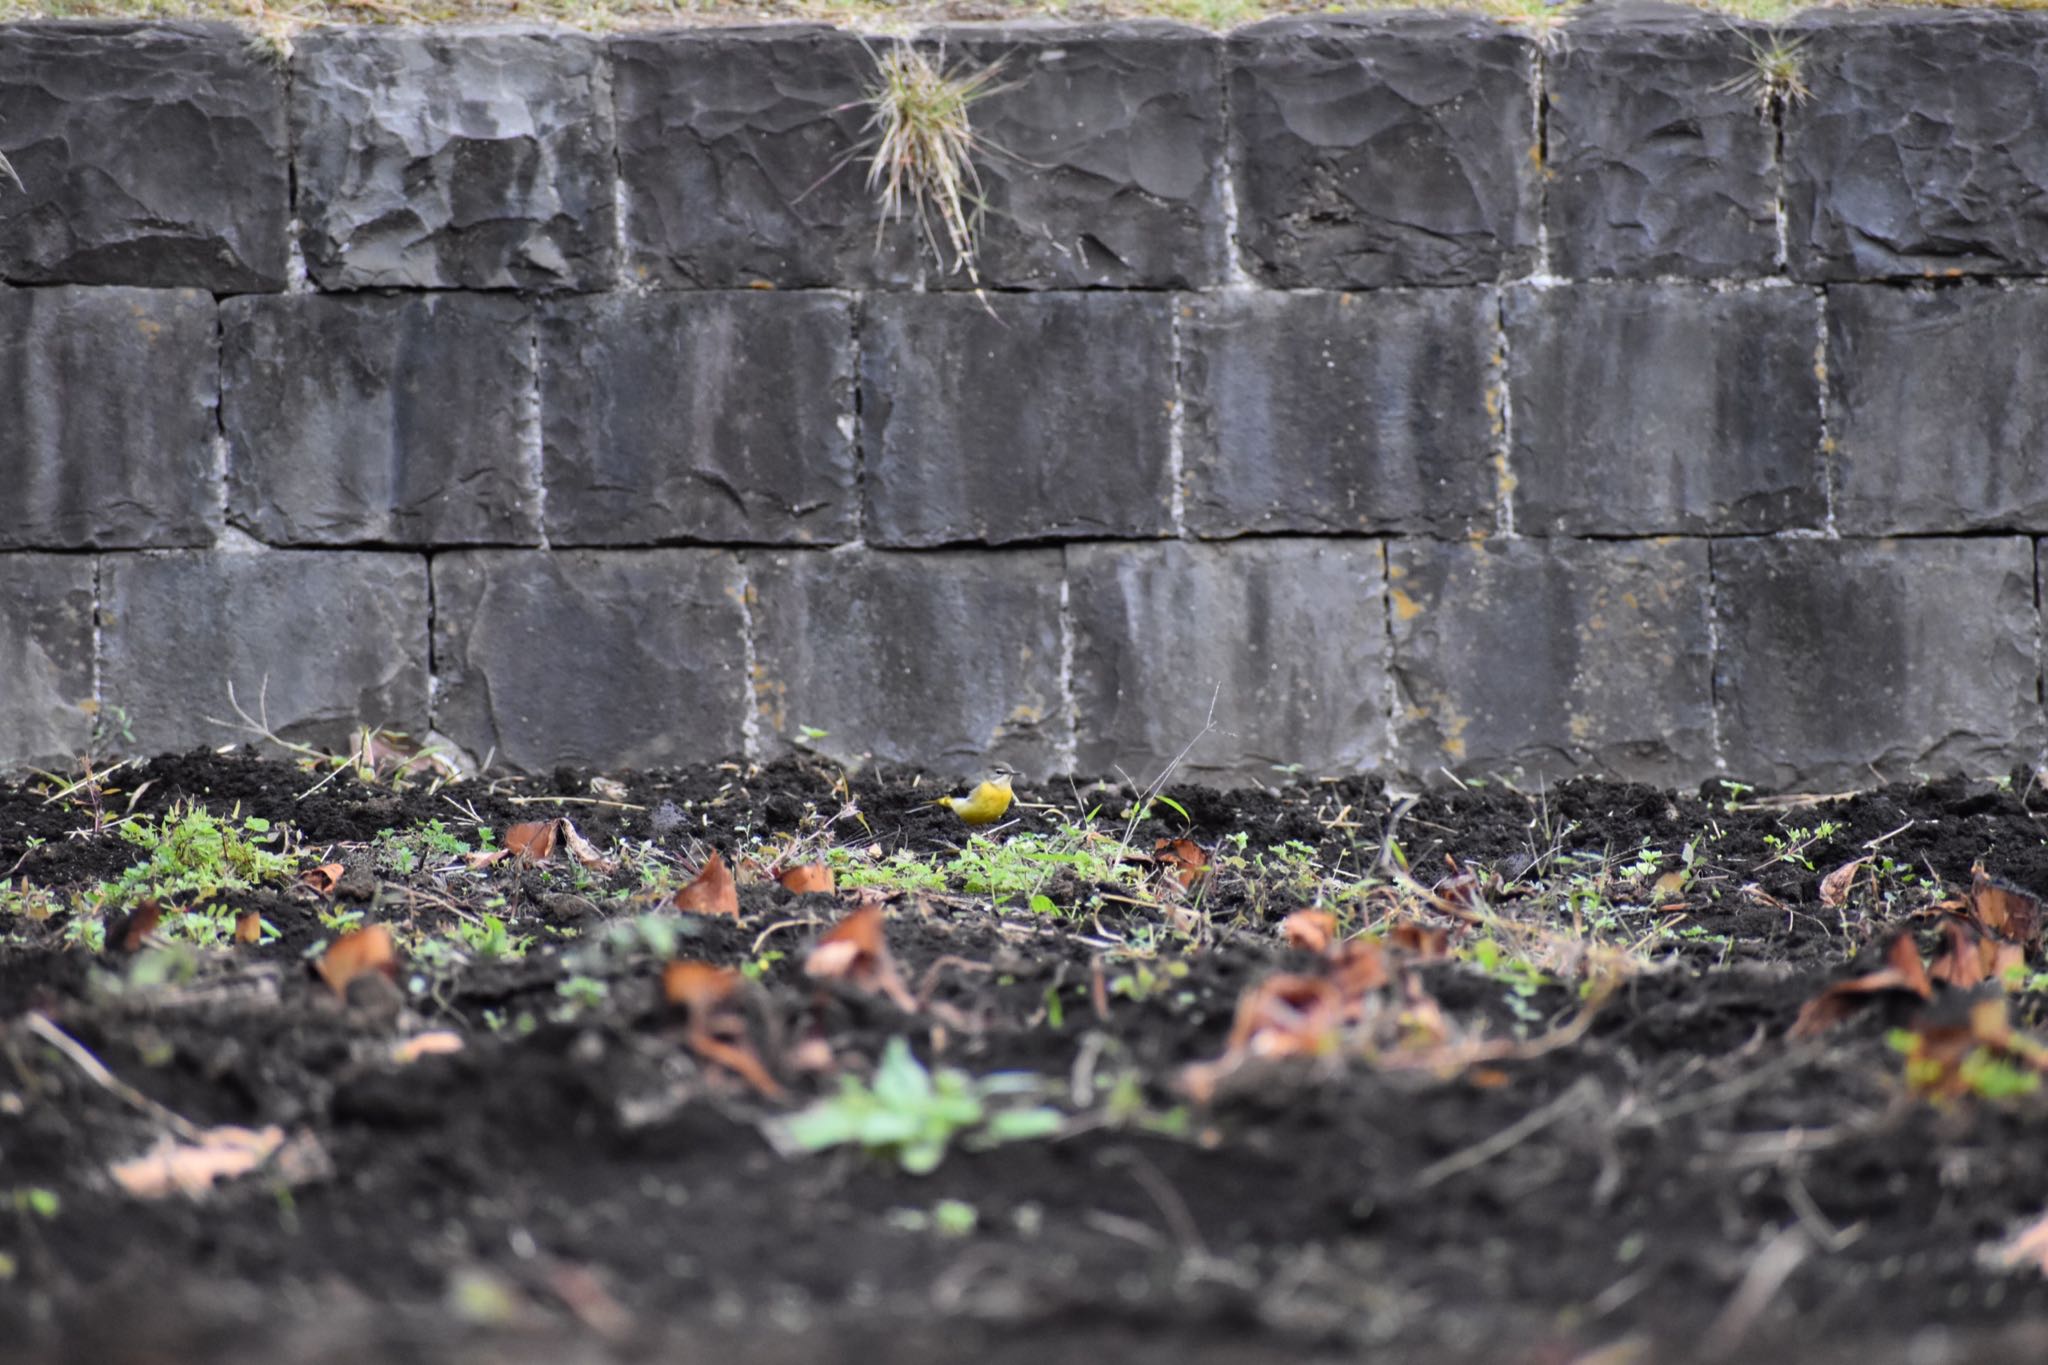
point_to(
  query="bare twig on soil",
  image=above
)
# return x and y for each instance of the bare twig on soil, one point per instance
(95, 1071)
(1579, 1095)
(1766, 1276)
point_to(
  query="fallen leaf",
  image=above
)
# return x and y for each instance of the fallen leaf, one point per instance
(1357, 966)
(248, 927)
(2005, 909)
(531, 841)
(483, 858)
(1313, 930)
(1187, 861)
(713, 891)
(355, 954)
(609, 788)
(807, 879)
(1420, 939)
(583, 851)
(855, 950)
(191, 1168)
(324, 878)
(1834, 888)
(1287, 1016)
(1903, 971)
(718, 1031)
(438, 1043)
(1670, 886)
(125, 935)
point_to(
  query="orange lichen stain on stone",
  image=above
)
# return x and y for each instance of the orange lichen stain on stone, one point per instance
(1405, 607)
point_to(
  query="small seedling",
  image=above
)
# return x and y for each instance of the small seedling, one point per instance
(911, 1115)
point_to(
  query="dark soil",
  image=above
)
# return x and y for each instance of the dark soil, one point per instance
(1680, 1181)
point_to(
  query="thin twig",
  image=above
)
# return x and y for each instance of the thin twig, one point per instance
(1580, 1093)
(95, 1071)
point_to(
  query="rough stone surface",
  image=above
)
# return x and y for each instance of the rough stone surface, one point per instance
(454, 159)
(1845, 660)
(45, 657)
(1286, 639)
(1379, 151)
(108, 396)
(387, 420)
(609, 658)
(717, 417)
(1643, 409)
(1660, 156)
(148, 154)
(1339, 412)
(1023, 418)
(316, 642)
(949, 659)
(1552, 657)
(1938, 406)
(1923, 148)
(745, 158)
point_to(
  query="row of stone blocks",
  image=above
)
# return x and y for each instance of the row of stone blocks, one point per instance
(1773, 660)
(920, 420)
(1357, 152)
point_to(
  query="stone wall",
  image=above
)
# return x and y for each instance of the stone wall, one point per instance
(1401, 393)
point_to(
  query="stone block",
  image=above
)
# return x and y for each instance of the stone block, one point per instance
(1938, 408)
(1846, 662)
(946, 660)
(149, 154)
(1375, 151)
(1552, 657)
(611, 659)
(454, 158)
(1644, 408)
(317, 643)
(1024, 417)
(1284, 639)
(397, 420)
(46, 607)
(1325, 412)
(109, 398)
(745, 157)
(1660, 155)
(715, 417)
(1922, 149)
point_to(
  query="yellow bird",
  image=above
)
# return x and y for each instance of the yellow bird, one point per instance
(987, 802)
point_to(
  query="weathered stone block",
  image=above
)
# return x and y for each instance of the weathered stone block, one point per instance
(719, 417)
(454, 159)
(1938, 406)
(948, 660)
(149, 154)
(1284, 639)
(1843, 661)
(317, 643)
(109, 398)
(1922, 149)
(45, 657)
(1552, 657)
(745, 157)
(391, 420)
(612, 659)
(1339, 412)
(1384, 150)
(1661, 158)
(1655, 408)
(1026, 417)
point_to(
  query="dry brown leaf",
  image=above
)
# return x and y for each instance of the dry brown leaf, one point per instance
(1420, 939)
(125, 935)
(248, 927)
(1834, 888)
(808, 879)
(585, 852)
(1186, 861)
(713, 891)
(324, 878)
(2005, 909)
(1287, 1016)
(1903, 971)
(191, 1168)
(1314, 930)
(368, 949)
(1669, 887)
(531, 841)
(1357, 966)
(856, 951)
(485, 858)
(438, 1043)
(718, 1030)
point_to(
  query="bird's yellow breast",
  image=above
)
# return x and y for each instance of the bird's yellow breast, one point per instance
(982, 806)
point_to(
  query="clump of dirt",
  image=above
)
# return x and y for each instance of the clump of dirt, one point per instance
(1554, 1110)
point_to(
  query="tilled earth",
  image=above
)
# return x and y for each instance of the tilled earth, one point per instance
(1595, 1140)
